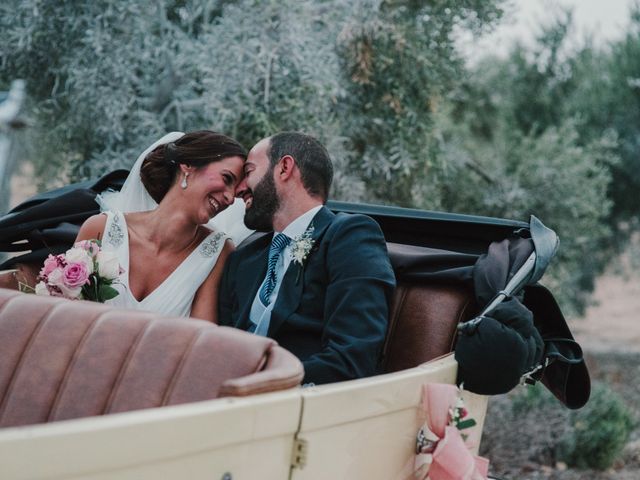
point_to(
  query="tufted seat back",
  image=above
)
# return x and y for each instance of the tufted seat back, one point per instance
(424, 315)
(62, 359)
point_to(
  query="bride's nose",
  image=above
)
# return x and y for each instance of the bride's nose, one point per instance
(241, 188)
(228, 196)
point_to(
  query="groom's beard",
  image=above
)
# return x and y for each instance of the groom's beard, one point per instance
(265, 204)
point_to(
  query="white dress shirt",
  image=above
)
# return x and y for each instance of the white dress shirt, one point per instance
(261, 315)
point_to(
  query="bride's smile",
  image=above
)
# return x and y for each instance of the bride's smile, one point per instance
(215, 184)
(215, 205)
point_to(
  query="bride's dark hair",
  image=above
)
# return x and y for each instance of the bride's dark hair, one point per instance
(160, 168)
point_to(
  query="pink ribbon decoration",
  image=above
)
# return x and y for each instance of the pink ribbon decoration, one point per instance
(451, 459)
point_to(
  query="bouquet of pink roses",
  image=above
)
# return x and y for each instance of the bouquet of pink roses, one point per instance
(84, 272)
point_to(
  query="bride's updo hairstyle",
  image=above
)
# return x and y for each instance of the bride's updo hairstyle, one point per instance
(197, 149)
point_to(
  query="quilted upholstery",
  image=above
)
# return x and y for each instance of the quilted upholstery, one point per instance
(423, 319)
(62, 359)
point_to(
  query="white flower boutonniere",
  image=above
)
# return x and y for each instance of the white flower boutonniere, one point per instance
(301, 246)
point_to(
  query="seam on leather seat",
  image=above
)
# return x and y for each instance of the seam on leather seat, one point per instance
(20, 362)
(178, 370)
(72, 361)
(461, 316)
(263, 360)
(124, 366)
(393, 324)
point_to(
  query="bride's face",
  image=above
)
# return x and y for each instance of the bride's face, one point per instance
(212, 187)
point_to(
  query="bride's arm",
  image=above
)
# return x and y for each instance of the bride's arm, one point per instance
(205, 303)
(92, 228)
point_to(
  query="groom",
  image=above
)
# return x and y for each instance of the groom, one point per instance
(320, 284)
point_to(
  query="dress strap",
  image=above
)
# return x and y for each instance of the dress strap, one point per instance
(114, 230)
(212, 244)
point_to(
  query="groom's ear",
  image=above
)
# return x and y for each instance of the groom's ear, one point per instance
(285, 167)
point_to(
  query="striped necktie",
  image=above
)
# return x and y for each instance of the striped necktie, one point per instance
(279, 242)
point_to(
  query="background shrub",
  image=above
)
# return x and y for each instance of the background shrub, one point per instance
(598, 432)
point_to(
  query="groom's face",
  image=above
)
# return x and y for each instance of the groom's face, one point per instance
(258, 190)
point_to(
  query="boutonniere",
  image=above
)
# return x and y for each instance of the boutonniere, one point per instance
(301, 247)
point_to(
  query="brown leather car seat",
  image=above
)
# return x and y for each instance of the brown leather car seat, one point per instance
(63, 359)
(424, 316)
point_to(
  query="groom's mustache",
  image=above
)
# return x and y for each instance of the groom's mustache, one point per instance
(247, 196)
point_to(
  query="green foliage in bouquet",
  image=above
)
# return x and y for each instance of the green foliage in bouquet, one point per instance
(598, 432)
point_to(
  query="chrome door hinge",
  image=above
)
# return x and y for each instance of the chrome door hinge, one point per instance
(299, 454)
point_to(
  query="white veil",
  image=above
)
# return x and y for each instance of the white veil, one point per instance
(133, 197)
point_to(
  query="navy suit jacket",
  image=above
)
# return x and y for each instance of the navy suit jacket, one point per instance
(331, 312)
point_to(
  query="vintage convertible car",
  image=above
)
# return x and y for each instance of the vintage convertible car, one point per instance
(87, 391)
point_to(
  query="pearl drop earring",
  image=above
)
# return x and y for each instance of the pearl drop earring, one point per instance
(184, 180)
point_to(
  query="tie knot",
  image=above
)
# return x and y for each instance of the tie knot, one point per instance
(279, 242)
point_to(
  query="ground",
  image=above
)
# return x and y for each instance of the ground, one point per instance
(613, 322)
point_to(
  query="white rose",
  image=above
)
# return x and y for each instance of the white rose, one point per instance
(56, 278)
(108, 265)
(41, 289)
(72, 293)
(80, 255)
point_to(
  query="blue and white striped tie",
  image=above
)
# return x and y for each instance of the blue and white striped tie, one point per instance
(279, 242)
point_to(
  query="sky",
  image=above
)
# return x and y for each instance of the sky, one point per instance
(604, 19)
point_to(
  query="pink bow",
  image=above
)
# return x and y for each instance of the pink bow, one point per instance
(451, 459)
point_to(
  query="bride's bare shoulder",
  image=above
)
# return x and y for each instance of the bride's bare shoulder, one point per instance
(93, 227)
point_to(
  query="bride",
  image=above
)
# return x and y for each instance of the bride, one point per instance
(156, 224)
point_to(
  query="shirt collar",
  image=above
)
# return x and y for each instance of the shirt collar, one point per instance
(300, 224)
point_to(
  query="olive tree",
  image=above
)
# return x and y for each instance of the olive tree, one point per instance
(105, 78)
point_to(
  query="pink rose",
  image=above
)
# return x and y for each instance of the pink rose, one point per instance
(50, 264)
(90, 246)
(75, 275)
(79, 255)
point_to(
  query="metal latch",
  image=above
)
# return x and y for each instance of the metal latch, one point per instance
(299, 454)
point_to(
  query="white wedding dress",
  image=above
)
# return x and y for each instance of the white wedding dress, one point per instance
(174, 296)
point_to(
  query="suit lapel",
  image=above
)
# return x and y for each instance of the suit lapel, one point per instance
(293, 282)
(251, 272)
